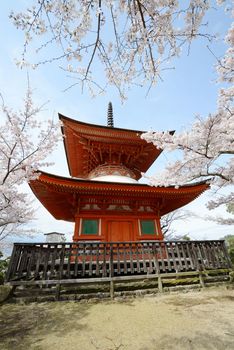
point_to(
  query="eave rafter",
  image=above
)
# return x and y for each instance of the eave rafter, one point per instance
(135, 189)
(63, 196)
(88, 146)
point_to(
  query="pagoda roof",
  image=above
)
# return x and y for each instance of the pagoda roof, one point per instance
(61, 196)
(88, 145)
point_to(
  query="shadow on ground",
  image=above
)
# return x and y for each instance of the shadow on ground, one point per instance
(18, 322)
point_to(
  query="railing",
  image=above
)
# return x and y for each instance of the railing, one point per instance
(60, 261)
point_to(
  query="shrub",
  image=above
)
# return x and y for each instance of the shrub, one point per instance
(4, 262)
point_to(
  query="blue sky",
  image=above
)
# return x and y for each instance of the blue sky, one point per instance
(185, 91)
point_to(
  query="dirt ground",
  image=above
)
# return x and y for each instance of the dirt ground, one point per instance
(185, 321)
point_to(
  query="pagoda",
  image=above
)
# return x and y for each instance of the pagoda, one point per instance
(103, 196)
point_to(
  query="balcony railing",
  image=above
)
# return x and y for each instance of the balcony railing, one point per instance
(80, 260)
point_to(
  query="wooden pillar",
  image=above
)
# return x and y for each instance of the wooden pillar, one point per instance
(76, 229)
(160, 234)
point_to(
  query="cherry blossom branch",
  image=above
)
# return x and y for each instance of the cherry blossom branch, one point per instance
(24, 146)
(146, 35)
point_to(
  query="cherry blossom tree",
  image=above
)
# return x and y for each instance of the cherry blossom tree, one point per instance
(132, 40)
(169, 219)
(208, 146)
(24, 144)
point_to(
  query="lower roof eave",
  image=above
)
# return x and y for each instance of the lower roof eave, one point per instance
(60, 195)
(74, 184)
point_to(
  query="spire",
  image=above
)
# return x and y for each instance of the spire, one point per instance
(110, 120)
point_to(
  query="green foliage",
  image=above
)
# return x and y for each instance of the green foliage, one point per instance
(230, 208)
(185, 238)
(3, 267)
(230, 245)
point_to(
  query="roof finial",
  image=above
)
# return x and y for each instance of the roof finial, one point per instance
(110, 120)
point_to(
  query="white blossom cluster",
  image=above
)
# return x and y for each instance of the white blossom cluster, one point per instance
(208, 146)
(204, 147)
(132, 39)
(24, 145)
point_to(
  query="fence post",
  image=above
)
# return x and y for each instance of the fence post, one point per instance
(112, 289)
(201, 278)
(58, 290)
(160, 284)
(9, 270)
(111, 272)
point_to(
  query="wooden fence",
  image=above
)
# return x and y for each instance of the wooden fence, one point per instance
(102, 260)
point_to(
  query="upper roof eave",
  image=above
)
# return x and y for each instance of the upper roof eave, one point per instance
(77, 122)
(104, 136)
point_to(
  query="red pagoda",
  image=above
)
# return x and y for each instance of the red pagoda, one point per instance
(103, 197)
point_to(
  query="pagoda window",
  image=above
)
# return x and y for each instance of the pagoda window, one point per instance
(90, 227)
(148, 227)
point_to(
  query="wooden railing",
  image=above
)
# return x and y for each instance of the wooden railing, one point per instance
(61, 261)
